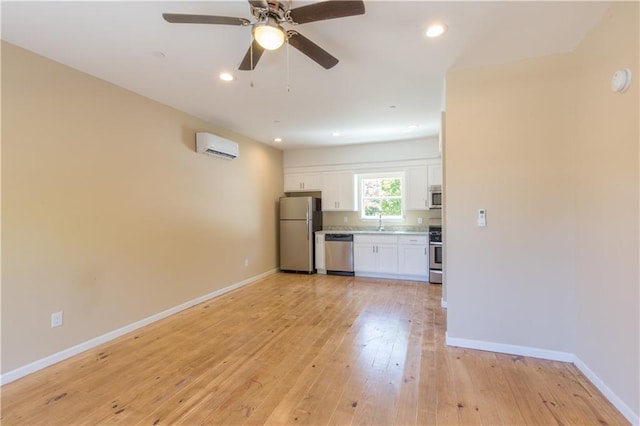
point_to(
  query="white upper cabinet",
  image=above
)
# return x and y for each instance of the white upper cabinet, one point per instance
(302, 182)
(435, 174)
(417, 191)
(419, 179)
(339, 192)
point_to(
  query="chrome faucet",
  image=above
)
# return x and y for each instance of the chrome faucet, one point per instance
(380, 225)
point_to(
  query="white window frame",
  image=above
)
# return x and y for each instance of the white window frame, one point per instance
(382, 175)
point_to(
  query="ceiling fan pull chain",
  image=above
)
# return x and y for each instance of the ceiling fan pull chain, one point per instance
(251, 59)
(288, 69)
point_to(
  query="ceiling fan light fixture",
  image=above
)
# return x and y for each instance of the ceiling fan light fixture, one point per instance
(269, 34)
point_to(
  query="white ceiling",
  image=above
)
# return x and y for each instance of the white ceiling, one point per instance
(385, 60)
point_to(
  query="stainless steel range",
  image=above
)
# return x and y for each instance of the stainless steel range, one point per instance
(435, 254)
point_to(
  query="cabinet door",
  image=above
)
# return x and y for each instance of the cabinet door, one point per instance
(312, 182)
(364, 257)
(414, 260)
(302, 182)
(435, 174)
(320, 263)
(338, 192)
(417, 191)
(387, 255)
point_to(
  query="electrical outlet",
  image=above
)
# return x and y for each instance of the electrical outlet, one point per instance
(56, 319)
(246, 262)
(345, 219)
(419, 221)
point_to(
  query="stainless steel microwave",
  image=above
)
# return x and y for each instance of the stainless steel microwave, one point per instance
(435, 197)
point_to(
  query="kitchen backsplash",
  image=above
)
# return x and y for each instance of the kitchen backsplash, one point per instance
(335, 221)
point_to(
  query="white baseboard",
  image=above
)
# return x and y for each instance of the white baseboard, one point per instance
(626, 411)
(420, 278)
(617, 402)
(443, 303)
(20, 372)
(509, 349)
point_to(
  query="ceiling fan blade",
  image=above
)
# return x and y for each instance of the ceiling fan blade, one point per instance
(177, 18)
(259, 3)
(247, 64)
(326, 10)
(312, 50)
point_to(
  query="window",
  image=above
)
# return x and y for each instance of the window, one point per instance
(382, 193)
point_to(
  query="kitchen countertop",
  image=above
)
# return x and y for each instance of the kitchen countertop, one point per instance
(370, 231)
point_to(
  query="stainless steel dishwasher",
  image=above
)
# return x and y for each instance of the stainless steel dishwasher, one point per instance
(339, 254)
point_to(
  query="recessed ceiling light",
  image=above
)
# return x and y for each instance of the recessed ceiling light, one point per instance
(277, 140)
(413, 126)
(436, 30)
(335, 134)
(225, 76)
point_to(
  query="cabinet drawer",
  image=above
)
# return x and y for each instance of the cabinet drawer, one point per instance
(375, 239)
(412, 239)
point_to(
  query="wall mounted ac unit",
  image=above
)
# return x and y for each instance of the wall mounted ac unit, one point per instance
(207, 143)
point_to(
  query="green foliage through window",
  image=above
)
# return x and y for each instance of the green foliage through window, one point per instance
(382, 195)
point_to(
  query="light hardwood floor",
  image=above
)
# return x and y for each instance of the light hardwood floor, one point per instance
(296, 349)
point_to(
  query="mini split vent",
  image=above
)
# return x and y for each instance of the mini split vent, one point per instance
(206, 143)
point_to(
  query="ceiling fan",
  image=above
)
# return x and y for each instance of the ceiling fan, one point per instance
(268, 32)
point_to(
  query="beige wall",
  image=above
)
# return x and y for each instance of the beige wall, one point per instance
(109, 215)
(552, 154)
(607, 190)
(506, 152)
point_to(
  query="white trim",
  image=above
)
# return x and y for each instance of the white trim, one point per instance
(509, 349)
(626, 411)
(443, 303)
(92, 343)
(387, 276)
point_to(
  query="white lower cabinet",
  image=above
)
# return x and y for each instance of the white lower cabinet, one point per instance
(413, 256)
(376, 254)
(320, 259)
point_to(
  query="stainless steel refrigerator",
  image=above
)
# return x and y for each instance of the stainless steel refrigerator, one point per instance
(300, 217)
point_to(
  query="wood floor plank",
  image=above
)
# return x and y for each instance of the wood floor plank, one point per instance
(407, 411)
(304, 349)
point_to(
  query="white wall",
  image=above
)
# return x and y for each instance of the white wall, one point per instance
(362, 153)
